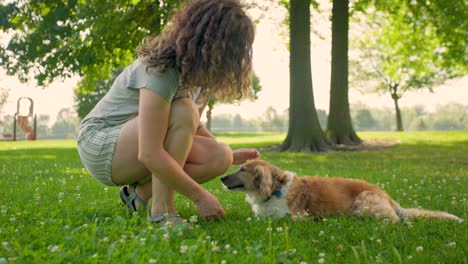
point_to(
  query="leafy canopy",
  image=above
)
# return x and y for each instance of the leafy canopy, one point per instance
(58, 38)
(398, 50)
(446, 19)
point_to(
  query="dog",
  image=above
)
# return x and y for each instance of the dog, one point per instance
(272, 192)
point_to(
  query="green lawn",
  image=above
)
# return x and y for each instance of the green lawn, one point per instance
(53, 211)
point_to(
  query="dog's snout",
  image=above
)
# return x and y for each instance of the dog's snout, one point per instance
(224, 178)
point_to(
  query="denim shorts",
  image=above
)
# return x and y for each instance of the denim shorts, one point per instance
(96, 146)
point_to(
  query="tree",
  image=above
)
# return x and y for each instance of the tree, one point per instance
(445, 18)
(3, 97)
(272, 121)
(304, 133)
(257, 86)
(59, 38)
(66, 124)
(88, 93)
(339, 126)
(43, 130)
(397, 54)
(364, 120)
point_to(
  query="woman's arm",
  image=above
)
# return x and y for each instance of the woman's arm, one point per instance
(202, 130)
(154, 113)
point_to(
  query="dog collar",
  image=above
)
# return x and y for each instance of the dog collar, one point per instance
(276, 193)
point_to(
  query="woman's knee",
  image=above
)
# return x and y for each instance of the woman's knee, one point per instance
(184, 113)
(222, 158)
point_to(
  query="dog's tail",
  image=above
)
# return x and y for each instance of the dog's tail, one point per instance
(414, 213)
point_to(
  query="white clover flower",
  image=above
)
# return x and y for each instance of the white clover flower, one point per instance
(419, 249)
(303, 262)
(451, 244)
(166, 236)
(143, 239)
(223, 261)
(106, 189)
(249, 219)
(234, 252)
(183, 249)
(227, 246)
(409, 257)
(6, 245)
(53, 248)
(215, 248)
(180, 233)
(321, 255)
(77, 188)
(193, 219)
(152, 261)
(228, 206)
(320, 261)
(321, 233)
(292, 251)
(279, 229)
(269, 229)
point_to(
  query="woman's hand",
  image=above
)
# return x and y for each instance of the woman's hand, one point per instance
(240, 156)
(210, 208)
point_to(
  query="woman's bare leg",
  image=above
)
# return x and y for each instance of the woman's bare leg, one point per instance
(203, 158)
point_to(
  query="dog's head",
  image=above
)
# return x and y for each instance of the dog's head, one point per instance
(256, 176)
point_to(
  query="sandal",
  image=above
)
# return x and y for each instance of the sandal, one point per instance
(128, 195)
(163, 219)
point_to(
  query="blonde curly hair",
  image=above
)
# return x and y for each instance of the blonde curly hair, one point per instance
(209, 42)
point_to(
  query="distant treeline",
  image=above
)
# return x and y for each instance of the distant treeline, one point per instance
(365, 118)
(417, 118)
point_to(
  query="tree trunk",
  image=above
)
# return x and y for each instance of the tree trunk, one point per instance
(305, 133)
(393, 88)
(339, 127)
(399, 122)
(209, 116)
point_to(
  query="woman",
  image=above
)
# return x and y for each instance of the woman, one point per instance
(146, 133)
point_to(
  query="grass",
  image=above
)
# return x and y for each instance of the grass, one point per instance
(53, 211)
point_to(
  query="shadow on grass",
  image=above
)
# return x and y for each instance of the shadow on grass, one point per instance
(58, 154)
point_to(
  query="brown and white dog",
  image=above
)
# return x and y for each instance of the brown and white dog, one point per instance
(273, 192)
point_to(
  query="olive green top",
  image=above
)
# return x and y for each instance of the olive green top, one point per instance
(121, 103)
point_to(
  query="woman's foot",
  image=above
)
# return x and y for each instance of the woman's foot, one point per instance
(240, 156)
(167, 219)
(131, 199)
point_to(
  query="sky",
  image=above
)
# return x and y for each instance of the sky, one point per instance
(271, 63)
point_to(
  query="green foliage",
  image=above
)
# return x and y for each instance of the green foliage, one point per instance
(66, 124)
(3, 97)
(417, 118)
(52, 211)
(88, 93)
(446, 20)
(63, 37)
(396, 54)
(43, 129)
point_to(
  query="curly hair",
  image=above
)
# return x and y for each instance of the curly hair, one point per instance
(209, 42)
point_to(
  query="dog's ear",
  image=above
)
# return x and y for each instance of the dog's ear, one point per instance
(263, 180)
(279, 177)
